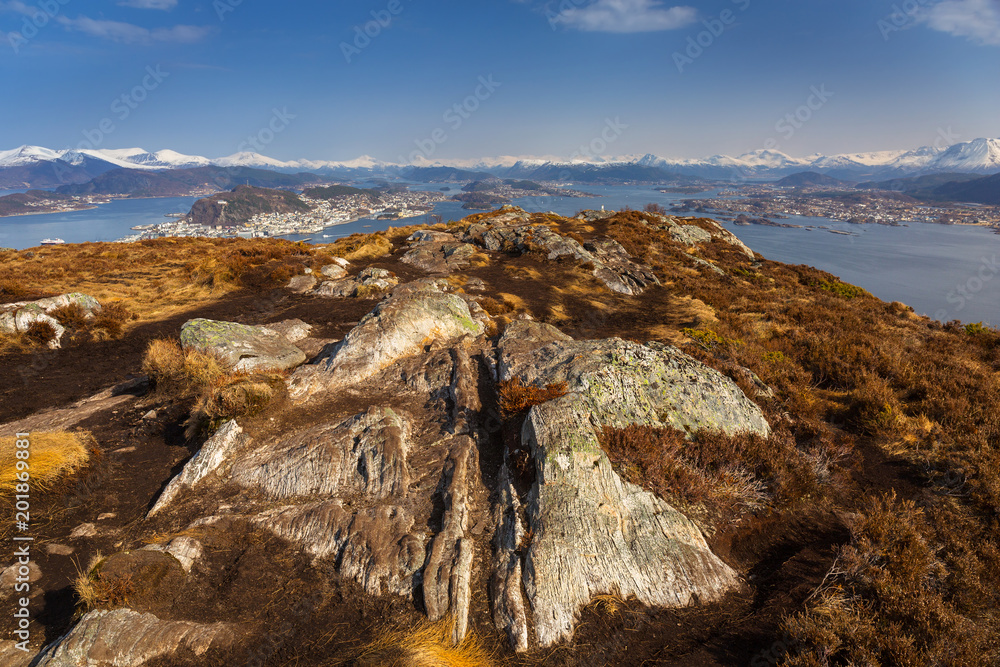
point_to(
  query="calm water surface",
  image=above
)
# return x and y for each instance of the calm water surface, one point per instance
(946, 272)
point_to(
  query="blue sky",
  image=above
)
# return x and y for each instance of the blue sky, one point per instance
(675, 79)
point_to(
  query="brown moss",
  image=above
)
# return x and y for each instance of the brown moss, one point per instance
(516, 397)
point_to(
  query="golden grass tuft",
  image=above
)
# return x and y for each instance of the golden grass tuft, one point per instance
(181, 373)
(53, 456)
(95, 591)
(427, 645)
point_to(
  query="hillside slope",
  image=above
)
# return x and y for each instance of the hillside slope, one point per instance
(621, 438)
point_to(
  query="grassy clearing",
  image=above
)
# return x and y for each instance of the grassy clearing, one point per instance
(427, 645)
(53, 456)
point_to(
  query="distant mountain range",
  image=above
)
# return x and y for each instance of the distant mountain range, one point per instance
(37, 167)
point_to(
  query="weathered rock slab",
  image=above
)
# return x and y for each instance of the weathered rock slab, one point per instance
(126, 638)
(242, 347)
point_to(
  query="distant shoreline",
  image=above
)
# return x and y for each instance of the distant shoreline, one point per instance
(72, 210)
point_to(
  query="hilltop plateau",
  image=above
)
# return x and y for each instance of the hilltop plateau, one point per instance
(621, 438)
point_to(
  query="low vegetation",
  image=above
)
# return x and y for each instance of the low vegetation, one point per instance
(516, 397)
(53, 457)
(201, 381)
(427, 645)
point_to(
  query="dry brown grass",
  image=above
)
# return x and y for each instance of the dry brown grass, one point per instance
(427, 645)
(154, 279)
(516, 397)
(181, 374)
(95, 590)
(362, 246)
(202, 381)
(53, 456)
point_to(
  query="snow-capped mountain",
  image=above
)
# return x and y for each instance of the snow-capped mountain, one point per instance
(977, 156)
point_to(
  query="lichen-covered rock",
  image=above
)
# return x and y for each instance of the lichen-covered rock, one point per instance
(592, 532)
(335, 271)
(242, 347)
(435, 254)
(126, 638)
(187, 550)
(398, 327)
(447, 575)
(212, 455)
(365, 454)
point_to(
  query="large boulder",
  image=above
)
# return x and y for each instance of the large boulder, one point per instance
(242, 348)
(590, 531)
(127, 638)
(400, 326)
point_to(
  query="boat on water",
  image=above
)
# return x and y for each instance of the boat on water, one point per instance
(52, 242)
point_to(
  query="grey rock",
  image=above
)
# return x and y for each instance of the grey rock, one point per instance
(334, 271)
(83, 530)
(594, 533)
(377, 547)
(301, 284)
(242, 348)
(58, 550)
(21, 319)
(11, 574)
(338, 288)
(398, 327)
(609, 261)
(212, 455)
(293, 330)
(365, 454)
(447, 575)
(506, 575)
(185, 549)
(127, 638)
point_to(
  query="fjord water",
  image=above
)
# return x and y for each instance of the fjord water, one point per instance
(945, 272)
(107, 222)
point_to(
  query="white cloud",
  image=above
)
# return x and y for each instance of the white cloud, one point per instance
(126, 33)
(626, 16)
(149, 4)
(977, 20)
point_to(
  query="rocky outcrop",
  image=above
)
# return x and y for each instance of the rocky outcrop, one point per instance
(608, 260)
(370, 282)
(293, 330)
(212, 455)
(438, 252)
(398, 327)
(591, 532)
(378, 547)
(448, 573)
(365, 454)
(126, 638)
(19, 317)
(242, 348)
